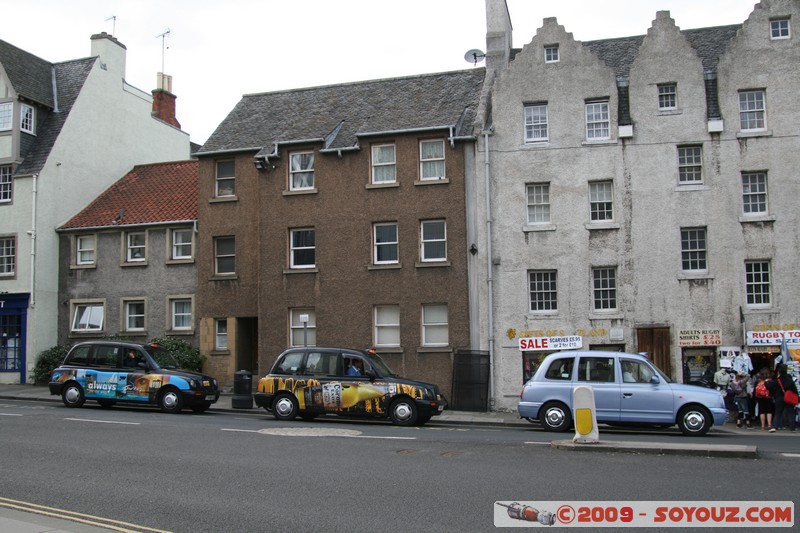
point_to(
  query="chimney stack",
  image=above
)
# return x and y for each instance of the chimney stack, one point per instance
(164, 100)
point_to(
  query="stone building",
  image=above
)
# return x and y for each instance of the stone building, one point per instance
(641, 193)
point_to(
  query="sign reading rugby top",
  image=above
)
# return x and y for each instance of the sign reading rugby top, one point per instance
(531, 344)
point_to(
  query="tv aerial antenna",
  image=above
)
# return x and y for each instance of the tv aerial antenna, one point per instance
(113, 24)
(474, 56)
(164, 47)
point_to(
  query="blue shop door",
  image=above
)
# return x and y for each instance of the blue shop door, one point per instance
(13, 315)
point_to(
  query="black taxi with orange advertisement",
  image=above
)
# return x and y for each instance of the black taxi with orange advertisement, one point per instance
(311, 381)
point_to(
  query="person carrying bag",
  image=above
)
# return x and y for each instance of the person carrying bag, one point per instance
(785, 400)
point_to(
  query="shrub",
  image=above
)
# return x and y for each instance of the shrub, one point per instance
(47, 361)
(189, 357)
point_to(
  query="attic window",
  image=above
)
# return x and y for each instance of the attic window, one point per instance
(551, 53)
(779, 28)
(27, 122)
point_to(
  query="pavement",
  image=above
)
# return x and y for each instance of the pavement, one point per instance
(15, 518)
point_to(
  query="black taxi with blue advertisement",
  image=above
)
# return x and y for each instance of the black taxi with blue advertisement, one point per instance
(311, 381)
(109, 372)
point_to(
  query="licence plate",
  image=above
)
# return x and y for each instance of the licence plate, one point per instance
(210, 398)
(440, 408)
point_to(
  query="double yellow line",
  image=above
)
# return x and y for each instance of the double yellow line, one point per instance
(97, 521)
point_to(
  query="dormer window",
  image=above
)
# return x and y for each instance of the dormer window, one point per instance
(6, 112)
(27, 119)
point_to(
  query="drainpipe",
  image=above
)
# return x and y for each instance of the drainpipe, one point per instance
(489, 266)
(32, 233)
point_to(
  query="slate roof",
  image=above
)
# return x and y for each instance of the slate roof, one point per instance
(30, 76)
(148, 194)
(70, 77)
(337, 115)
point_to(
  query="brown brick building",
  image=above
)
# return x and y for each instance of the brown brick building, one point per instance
(346, 206)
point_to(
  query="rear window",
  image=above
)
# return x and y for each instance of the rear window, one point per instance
(321, 363)
(79, 356)
(600, 369)
(289, 364)
(560, 369)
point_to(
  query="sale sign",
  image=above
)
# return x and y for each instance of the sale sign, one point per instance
(532, 344)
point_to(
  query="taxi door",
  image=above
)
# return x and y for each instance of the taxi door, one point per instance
(360, 395)
(102, 378)
(599, 373)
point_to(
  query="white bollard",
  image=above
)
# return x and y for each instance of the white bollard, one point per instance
(583, 412)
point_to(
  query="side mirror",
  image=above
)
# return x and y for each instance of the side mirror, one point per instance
(654, 380)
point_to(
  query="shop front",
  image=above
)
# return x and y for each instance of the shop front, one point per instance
(699, 354)
(767, 347)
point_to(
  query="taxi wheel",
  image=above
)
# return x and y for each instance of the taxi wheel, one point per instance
(403, 412)
(170, 400)
(694, 420)
(285, 407)
(72, 395)
(105, 404)
(555, 416)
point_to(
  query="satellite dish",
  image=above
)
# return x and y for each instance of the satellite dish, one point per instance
(474, 56)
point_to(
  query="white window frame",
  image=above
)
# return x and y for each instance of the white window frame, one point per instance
(6, 184)
(378, 246)
(426, 239)
(537, 201)
(386, 323)
(225, 179)
(604, 289)
(433, 326)
(753, 110)
(780, 28)
(82, 251)
(131, 247)
(6, 116)
(601, 201)
(296, 326)
(382, 165)
(178, 248)
(537, 129)
(301, 168)
(128, 315)
(543, 291)
(175, 313)
(690, 165)
(293, 248)
(598, 120)
(223, 256)
(8, 255)
(755, 189)
(551, 53)
(27, 119)
(758, 283)
(93, 307)
(694, 249)
(221, 334)
(667, 96)
(428, 161)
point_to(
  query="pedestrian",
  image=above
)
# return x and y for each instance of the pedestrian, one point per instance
(742, 399)
(765, 407)
(783, 411)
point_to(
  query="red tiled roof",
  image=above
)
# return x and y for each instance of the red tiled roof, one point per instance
(158, 192)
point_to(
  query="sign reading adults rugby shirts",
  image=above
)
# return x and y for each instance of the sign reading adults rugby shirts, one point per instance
(532, 344)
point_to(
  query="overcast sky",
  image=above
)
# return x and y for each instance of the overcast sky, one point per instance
(217, 51)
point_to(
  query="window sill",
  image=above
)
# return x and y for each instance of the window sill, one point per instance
(389, 350)
(544, 143)
(756, 219)
(83, 267)
(300, 192)
(224, 277)
(218, 352)
(694, 276)
(432, 264)
(300, 270)
(435, 349)
(668, 112)
(393, 266)
(746, 134)
(595, 226)
(437, 181)
(126, 264)
(691, 187)
(223, 199)
(180, 261)
(538, 227)
(599, 142)
(388, 185)
(612, 315)
(186, 332)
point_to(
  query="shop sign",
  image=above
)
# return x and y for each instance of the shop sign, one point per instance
(571, 342)
(772, 338)
(699, 337)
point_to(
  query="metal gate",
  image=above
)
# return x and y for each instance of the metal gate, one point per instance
(470, 381)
